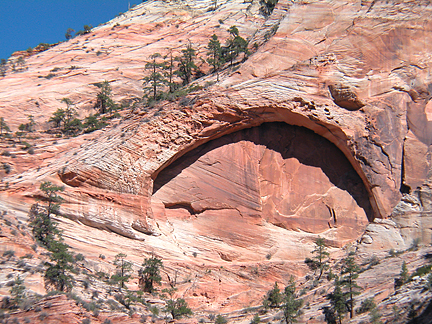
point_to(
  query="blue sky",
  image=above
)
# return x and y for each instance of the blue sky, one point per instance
(27, 23)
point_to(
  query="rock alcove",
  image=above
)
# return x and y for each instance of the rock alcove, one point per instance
(274, 173)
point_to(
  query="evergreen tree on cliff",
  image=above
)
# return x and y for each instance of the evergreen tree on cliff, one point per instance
(155, 80)
(149, 275)
(350, 270)
(186, 64)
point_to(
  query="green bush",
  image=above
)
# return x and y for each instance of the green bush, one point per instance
(221, 319)
(423, 270)
(367, 305)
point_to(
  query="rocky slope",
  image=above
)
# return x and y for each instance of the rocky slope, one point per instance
(323, 130)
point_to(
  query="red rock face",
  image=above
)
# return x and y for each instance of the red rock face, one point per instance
(282, 174)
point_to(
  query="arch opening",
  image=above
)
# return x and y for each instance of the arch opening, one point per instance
(286, 175)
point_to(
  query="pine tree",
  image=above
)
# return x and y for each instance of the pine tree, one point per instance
(273, 298)
(169, 72)
(123, 269)
(321, 256)
(155, 80)
(235, 45)
(104, 101)
(290, 304)
(214, 53)
(68, 34)
(351, 270)
(150, 274)
(403, 276)
(58, 117)
(186, 65)
(58, 272)
(176, 307)
(71, 125)
(44, 230)
(338, 301)
(92, 123)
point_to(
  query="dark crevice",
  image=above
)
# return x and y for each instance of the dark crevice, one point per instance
(404, 189)
(183, 205)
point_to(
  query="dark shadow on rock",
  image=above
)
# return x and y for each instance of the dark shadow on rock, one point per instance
(291, 142)
(425, 317)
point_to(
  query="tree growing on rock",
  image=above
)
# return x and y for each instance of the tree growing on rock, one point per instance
(235, 45)
(155, 81)
(58, 272)
(273, 298)
(215, 58)
(267, 6)
(149, 275)
(290, 303)
(124, 268)
(67, 117)
(350, 269)
(186, 65)
(104, 102)
(403, 276)
(43, 228)
(338, 303)
(221, 319)
(320, 259)
(177, 307)
(92, 123)
(68, 34)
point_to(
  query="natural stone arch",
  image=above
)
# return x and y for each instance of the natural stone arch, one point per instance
(254, 117)
(333, 194)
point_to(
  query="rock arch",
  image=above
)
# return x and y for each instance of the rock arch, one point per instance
(279, 173)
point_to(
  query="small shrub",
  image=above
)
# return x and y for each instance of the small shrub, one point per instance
(220, 320)
(49, 76)
(43, 315)
(367, 305)
(428, 285)
(101, 256)
(6, 167)
(79, 257)
(423, 270)
(86, 284)
(9, 253)
(26, 145)
(86, 321)
(414, 245)
(6, 153)
(256, 319)
(107, 321)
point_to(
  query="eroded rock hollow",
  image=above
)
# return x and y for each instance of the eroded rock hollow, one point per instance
(282, 174)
